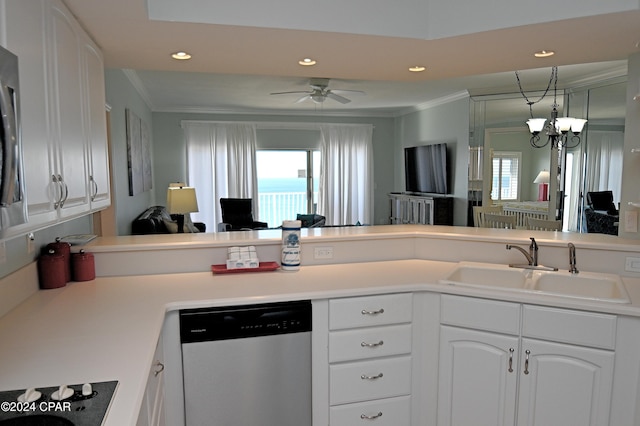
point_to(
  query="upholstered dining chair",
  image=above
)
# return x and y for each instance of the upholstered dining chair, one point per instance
(492, 220)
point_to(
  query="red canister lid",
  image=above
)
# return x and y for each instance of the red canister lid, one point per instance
(83, 266)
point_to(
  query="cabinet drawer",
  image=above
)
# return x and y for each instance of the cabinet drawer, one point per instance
(369, 311)
(362, 381)
(481, 314)
(575, 327)
(382, 412)
(363, 343)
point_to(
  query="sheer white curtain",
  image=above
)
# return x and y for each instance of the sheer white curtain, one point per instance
(346, 174)
(221, 162)
(604, 162)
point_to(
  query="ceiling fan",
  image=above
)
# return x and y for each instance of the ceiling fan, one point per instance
(319, 92)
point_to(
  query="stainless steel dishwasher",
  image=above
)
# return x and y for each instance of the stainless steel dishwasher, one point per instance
(247, 365)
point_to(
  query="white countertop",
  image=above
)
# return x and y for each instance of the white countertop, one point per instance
(107, 329)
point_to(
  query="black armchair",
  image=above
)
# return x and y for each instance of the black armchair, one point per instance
(602, 217)
(237, 215)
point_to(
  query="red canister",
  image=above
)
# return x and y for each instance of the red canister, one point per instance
(84, 268)
(51, 270)
(63, 249)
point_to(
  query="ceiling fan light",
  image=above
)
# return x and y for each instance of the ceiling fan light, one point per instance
(317, 98)
(536, 125)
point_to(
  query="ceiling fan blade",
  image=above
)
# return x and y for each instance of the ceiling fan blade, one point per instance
(355, 92)
(287, 93)
(338, 98)
(304, 98)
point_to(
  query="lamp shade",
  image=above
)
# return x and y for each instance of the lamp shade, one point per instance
(543, 177)
(536, 124)
(181, 200)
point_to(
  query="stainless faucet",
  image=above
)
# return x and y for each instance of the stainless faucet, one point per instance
(572, 259)
(532, 256)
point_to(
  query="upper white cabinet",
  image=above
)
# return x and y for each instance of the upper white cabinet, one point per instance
(96, 126)
(63, 115)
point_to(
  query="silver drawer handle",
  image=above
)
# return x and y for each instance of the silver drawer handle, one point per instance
(378, 312)
(375, 416)
(372, 345)
(376, 377)
(526, 361)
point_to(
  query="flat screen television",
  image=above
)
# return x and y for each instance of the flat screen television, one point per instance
(425, 169)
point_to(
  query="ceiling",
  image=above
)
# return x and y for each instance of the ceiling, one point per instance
(235, 68)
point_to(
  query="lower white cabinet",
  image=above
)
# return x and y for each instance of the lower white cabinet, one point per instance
(485, 374)
(152, 409)
(363, 360)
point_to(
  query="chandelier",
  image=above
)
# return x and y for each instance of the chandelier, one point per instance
(559, 128)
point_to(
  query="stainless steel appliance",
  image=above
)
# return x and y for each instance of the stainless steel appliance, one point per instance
(12, 201)
(81, 405)
(247, 365)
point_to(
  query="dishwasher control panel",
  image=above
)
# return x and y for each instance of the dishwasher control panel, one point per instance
(234, 322)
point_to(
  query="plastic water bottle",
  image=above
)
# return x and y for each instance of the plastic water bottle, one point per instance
(291, 245)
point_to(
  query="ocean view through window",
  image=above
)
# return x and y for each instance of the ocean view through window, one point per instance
(287, 184)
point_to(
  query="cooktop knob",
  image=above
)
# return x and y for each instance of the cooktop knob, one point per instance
(87, 389)
(62, 393)
(30, 395)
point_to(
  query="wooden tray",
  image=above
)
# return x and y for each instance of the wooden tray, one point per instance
(263, 267)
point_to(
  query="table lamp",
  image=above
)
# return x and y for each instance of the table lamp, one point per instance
(543, 188)
(181, 200)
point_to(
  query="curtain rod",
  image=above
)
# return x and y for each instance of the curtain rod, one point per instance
(281, 124)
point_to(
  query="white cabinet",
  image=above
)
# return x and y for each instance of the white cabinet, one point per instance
(548, 366)
(367, 366)
(95, 126)
(62, 112)
(152, 409)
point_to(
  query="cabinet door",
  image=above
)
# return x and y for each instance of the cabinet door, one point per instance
(476, 384)
(564, 385)
(65, 69)
(96, 127)
(25, 28)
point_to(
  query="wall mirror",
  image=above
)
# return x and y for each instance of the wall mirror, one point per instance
(545, 183)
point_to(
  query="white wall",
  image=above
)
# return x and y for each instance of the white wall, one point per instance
(120, 96)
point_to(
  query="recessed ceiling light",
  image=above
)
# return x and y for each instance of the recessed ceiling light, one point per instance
(307, 62)
(181, 56)
(417, 68)
(544, 53)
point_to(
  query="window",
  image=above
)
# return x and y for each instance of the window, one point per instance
(505, 175)
(287, 183)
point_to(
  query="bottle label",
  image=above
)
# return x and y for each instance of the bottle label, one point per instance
(290, 248)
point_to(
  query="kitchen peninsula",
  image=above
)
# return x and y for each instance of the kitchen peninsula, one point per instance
(108, 329)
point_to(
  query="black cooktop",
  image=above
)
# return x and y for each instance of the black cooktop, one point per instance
(77, 410)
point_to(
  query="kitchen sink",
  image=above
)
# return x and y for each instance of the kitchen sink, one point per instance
(584, 285)
(487, 275)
